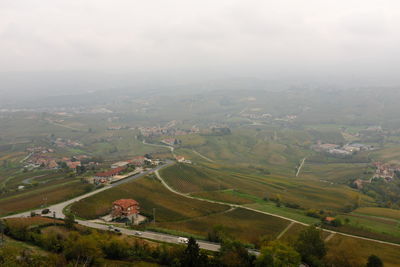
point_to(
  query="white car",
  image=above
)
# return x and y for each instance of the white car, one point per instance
(138, 233)
(183, 240)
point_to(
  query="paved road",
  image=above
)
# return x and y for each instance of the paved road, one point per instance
(58, 208)
(171, 148)
(151, 235)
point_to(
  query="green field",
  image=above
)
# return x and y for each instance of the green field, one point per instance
(379, 212)
(305, 192)
(151, 195)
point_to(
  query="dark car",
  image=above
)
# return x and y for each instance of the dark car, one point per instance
(117, 230)
(45, 211)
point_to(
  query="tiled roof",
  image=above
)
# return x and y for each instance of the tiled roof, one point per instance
(125, 203)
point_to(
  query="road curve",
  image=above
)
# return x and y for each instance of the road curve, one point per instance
(58, 208)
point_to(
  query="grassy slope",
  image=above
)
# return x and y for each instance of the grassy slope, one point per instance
(307, 193)
(388, 254)
(244, 225)
(379, 212)
(150, 194)
(34, 198)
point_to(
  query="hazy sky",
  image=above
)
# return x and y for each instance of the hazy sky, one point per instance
(338, 38)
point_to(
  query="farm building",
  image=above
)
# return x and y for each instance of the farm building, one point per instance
(107, 176)
(119, 164)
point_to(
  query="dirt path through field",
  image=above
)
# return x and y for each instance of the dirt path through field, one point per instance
(202, 156)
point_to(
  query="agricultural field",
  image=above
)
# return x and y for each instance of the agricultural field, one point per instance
(363, 249)
(151, 195)
(40, 196)
(244, 225)
(306, 193)
(335, 172)
(380, 228)
(379, 212)
(389, 154)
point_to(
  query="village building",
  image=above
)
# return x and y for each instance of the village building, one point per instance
(180, 158)
(329, 220)
(102, 177)
(170, 141)
(125, 208)
(138, 161)
(119, 164)
(73, 164)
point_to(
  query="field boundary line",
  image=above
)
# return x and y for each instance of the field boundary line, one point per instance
(202, 156)
(301, 166)
(285, 230)
(329, 237)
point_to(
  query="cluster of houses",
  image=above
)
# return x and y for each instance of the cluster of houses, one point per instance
(256, 116)
(337, 150)
(182, 159)
(171, 141)
(40, 157)
(119, 167)
(40, 149)
(168, 130)
(66, 143)
(383, 171)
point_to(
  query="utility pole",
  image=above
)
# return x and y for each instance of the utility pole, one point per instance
(44, 201)
(2, 232)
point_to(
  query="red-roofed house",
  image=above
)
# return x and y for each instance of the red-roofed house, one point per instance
(329, 219)
(138, 160)
(73, 164)
(180, 158)
(108, 175)
(125, 208)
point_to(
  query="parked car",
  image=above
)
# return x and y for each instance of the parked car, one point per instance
(117, 230)
(45, 211)
(138, 233)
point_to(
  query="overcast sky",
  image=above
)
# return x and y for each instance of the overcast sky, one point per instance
(354, 39)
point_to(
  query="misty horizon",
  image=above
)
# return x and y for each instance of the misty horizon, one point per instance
(352, 43)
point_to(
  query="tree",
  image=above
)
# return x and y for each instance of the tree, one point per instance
(218, 234)
(82, 249)
(116, 249)
(69, 220)
(191, 255)
(278, 254)
(374, 261)
(234, 254)
(311, 246)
